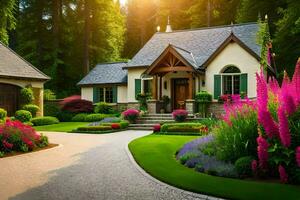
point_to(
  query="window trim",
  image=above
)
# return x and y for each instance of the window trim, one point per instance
(104, 94)
(232, 78)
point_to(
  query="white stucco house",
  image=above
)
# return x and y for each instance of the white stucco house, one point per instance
(221, 60)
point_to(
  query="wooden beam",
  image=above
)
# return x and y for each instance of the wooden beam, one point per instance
(154, 87)
(160, 88)
(172, 69)
(191, 86)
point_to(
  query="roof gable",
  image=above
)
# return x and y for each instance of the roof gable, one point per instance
(14, 66)
(106, 73)
(201, 43)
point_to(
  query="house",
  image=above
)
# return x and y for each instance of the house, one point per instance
(16, 73)
(221, 60)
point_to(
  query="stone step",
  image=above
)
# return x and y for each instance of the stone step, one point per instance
(142, 125)
(156, 118)
(140, 128)
(153, 121)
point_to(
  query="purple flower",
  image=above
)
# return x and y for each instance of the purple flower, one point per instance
(193, 146)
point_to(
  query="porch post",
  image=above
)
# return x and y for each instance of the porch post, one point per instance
(160, 87)
(154, 87)
(191, 86)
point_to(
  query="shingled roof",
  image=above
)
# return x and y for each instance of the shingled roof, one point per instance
(14, 66)
(200, 44)
(106, 73)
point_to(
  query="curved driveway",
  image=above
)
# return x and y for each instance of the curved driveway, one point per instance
(83, 167)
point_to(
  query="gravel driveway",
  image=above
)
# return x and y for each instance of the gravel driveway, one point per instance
(83, 167)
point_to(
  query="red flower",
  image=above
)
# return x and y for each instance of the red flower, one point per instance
(254, 166)
(7, 145)
(115, 126)
(156, 128)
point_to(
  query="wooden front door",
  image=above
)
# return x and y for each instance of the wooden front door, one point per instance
(9, 98)
(180, 93)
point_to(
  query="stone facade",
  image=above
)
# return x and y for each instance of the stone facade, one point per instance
(190, 106)
(216, 109)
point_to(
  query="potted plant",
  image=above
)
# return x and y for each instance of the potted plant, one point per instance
(165, 102)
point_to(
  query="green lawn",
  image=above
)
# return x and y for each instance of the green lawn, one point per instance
(156, 154)
(62, 126)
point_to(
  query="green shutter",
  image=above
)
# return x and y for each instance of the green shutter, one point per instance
(244, 83)
(95, 94)
(217, 86)
(115, 94)
(137, 87)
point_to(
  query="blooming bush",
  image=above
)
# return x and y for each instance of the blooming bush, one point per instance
(279, 124)
(75, 104)
(180, 115)
(16, 136)
(156, 128)
(131, 115)
(115, 126)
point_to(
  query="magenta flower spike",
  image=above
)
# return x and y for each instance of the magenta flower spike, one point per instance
(262, 91)
(284, 132)
(262, 152)
(296, 82)
(283, 175)
(298, 156)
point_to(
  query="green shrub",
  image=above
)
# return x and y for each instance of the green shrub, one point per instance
(203, 98)
(43, 141)
(51, 109)
(65, 116)
(95, 117)
(42, 121)
(209, 122)
(49, 95)
(124, 124)
(79, 117)
(33, 109)
(243, 166)
(23, 116)
(238, 138)
(182, 127)
(103, 108)
(94, 128)
(27, 96)
(3, 114)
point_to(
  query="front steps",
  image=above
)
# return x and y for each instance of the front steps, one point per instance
(148, 121)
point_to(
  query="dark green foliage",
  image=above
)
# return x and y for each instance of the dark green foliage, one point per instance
(43, 142)
(64, 116)
(42, 121)
(95, 117)
(103, 108)
(142, 98)
(27, 96)
(243, 166)
(124, 124)
(3, 114)
(23, 116)
(51, 109)
(7, 18)
(33, 109)
(49, 95)
(79, 117)
(203, 98)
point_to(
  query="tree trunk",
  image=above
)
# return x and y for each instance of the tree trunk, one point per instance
(86, 37)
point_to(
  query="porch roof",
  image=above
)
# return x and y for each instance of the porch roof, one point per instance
(201, 43)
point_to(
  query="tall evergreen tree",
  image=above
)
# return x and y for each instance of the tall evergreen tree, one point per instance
(7, 18)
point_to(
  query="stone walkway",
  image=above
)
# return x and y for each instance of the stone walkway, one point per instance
(83, 167)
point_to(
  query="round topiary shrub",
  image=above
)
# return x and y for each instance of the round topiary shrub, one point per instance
(180, 115)
(3, 114)
(79, 117)
(65, 116)
(33, 109)
(27, 96)
(243, 166)
(131, 115)
(103, 108)
(23, 116)
(42, 121)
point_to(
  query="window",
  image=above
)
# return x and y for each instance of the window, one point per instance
(108, 95)
(231, 80)
(105, 94)
(147, 86)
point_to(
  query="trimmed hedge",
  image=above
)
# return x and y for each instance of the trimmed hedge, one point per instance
(42, 121)
(95, 117)
(123, 124)
(94, 128)
(103, 108)
(23, 116)
(183, 127)
(33, 109)
(80, 117)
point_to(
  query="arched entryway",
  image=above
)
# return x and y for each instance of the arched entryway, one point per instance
(9, 98)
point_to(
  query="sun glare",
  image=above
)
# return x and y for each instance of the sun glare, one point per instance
(123, 2)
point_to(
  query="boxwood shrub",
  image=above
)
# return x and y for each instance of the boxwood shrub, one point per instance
(123, 124)
(3, 114)
(103, 108)
(65, 116)
(42, 121)
(243, 166)
(23, 116)
(33, 109)
(95, 117)
(95, 128)
(80, 117)
(184, 127)
(51, 109)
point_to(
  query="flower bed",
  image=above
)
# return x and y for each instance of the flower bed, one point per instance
(182, 129)
(16, 136)
(103, 127)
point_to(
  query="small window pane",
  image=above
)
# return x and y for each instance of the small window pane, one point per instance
(227, 84)
(101, 94)
(231, 69)
(108, 95)
(147, 86)
(236, 84)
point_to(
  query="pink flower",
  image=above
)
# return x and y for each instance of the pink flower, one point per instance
(283, 175)
(262, 91)
(254, 166)
(298, 156)
(265, 119)
(273, 86)
(284, 132)
(296, 82)
(7, 145)
(262, 152)
(156, 128)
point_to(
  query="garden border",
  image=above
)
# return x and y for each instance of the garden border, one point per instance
(99, 132)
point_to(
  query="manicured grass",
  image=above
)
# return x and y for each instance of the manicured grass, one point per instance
(156, 154)
(62, 126)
